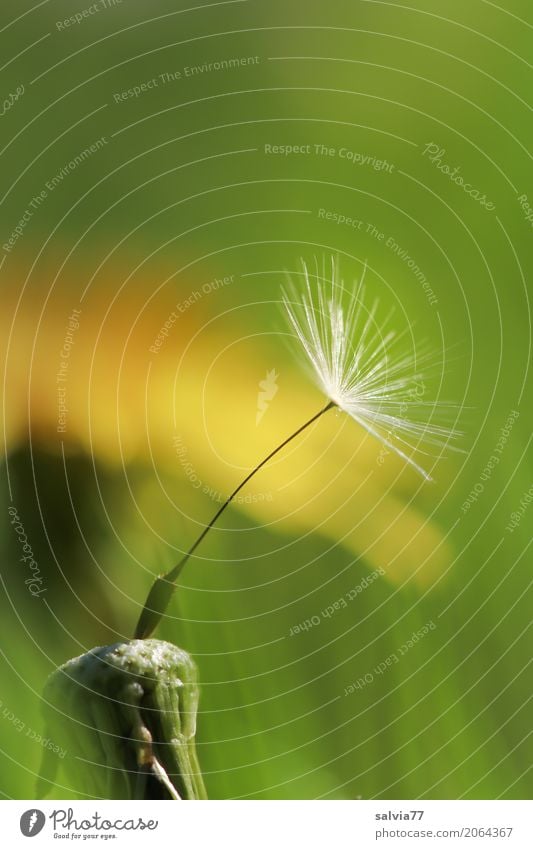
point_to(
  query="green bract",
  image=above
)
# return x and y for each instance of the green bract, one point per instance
(126, 714)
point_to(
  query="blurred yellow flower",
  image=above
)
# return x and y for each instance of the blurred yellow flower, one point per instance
(183, 393)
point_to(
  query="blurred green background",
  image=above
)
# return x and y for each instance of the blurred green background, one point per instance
(183, 190)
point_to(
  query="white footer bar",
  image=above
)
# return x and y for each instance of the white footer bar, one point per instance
(269, 824)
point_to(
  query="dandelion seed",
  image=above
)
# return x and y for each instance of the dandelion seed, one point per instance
(361, 369)
(359, 365)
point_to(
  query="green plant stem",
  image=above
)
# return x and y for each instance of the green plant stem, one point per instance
(163, 587)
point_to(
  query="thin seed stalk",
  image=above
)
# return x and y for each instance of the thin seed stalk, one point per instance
(163, 587)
